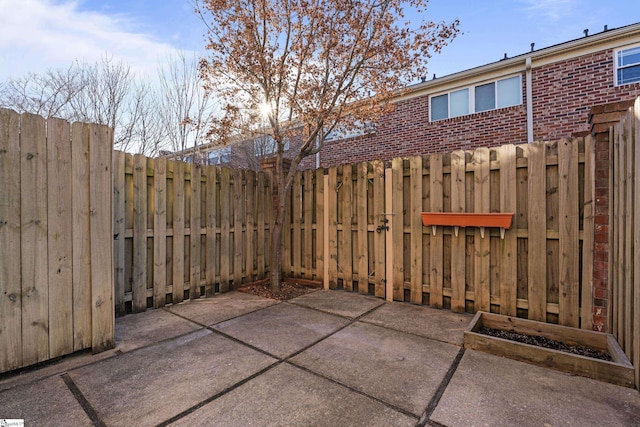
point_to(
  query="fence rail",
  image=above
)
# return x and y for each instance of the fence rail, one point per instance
(376, 244)
(625, 236)
(175, 240)
(55, 217)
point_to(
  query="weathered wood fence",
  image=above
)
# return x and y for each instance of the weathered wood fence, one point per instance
(183, 231)
(375, 242)
(625, 236)
(55, 217)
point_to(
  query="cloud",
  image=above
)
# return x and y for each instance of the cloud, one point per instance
(554, 10)
(36, 35)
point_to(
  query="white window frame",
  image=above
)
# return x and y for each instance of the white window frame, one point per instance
(472, 97)
(615, 64)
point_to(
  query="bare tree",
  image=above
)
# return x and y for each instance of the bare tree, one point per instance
(312, 64)
(185, 107)
(49, 94)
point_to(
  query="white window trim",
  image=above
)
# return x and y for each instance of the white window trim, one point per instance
(615, 63)
(472, 97)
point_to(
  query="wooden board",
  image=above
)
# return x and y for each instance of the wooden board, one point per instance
(398, 230)
(211, 226)
(481, 247)
(79, 167)
(160, 233)
(568, 192)
(59, 237)
(379, 239)
(415, 167)
(178, 233)
(346, 251)
(139, 233)
(307, 215)
(102, 316)
(81, 275)
(249, 218)
(332, 232)
(458, 243)
(436, 260)
(508, 245)
(362, 251)
(586, 306)
(10, 274)
(537, 232)
(238, 213)
(261, 224)
(320, 224)
(225, 234)
(628, 243)
(195, 227)
(296, 234)
(636, 243)
(33, 209)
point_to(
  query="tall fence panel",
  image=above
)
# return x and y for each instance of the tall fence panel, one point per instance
(55, 216)
(532, 270)
(625, 236)
(183, 231)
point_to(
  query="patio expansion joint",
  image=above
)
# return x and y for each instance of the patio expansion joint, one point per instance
(217, 395)
(425, 419)
(354, 390)
(84, 403)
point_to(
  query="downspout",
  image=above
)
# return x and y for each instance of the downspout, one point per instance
(529, 95)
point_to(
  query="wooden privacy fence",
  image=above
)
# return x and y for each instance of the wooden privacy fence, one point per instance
(183, 231)
(625, 236)
(359, 227)
(55, 218)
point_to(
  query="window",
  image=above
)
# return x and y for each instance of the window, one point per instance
(488, 96)
(628, 66)
(219, 156)
(357, 129)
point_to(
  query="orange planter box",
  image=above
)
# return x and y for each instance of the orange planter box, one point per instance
(454, 219)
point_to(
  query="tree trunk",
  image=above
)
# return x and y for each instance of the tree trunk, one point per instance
(275, 256)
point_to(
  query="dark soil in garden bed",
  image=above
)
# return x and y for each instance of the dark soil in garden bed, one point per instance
(288, 290)
(546, 343)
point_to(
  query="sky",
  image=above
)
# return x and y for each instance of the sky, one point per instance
(36, 35)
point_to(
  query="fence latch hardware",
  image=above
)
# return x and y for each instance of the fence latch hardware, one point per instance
(382, 227)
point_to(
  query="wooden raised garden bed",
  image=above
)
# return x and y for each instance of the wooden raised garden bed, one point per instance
(618, 371)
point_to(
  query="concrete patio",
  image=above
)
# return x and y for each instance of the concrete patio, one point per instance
(325, 358)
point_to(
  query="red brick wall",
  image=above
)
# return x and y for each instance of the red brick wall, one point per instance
(564, 92)
(562, 96)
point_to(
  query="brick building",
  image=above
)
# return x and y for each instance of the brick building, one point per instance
(544, 94)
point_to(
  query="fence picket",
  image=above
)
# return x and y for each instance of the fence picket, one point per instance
(211, 249)
(178, 232)
(332, 207)
(537, 233)
(415, 171)
(81, 276)
(568, 186)
(586, 298)
(10, 231)
(225, 233)
(160, 233)
(195, 238)
(139, 285)
(33, 211)
(508, 245)
(362, 221)
(119, 226)
(59, 237)
(436, 276)
(379, 240)
(458, 243)
(238, 214)
(320, 226)
(481, 188)
(398, 229)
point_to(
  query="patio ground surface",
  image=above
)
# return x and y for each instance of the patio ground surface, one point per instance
(326, 358)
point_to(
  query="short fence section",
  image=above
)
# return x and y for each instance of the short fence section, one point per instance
(183, 231)
(359, 227)
(624, 243)
(55, 218)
